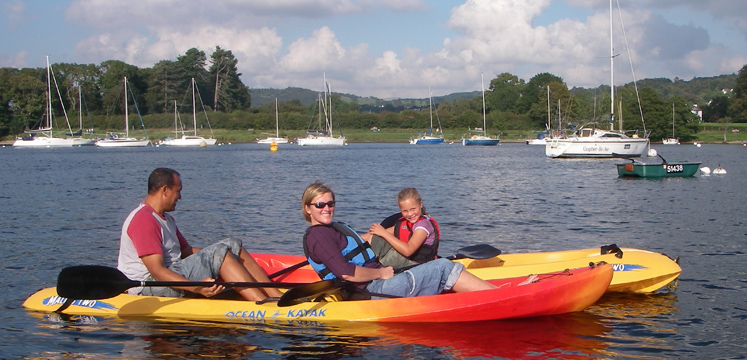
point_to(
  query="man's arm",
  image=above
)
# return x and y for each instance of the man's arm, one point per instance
(159, 272)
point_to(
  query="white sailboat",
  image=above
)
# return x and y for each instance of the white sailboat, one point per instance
(323, 137)
(42, 137)
(276, 139)
(114, 139)
(189, 140)
(592, 142)
(78, 139)
(429, 137)
(541, 138)
(672, 140)
(483, 139)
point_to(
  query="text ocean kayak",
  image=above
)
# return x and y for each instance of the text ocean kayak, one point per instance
(554, 293)
(635, 270)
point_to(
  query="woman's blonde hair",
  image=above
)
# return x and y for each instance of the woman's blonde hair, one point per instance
(411, 193)
(315, 189)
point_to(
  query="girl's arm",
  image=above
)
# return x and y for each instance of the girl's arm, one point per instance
(404, 248)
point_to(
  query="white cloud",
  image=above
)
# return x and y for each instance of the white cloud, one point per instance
(15, 12)
(482, 36)
(320, 51)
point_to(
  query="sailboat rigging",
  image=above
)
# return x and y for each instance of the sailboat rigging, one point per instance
(483, 139)
(43, 135)
(323, 137)
(430, 137)
(189, 140)
(672, 140)
(114, 139)
(276, 139)
(592, 142)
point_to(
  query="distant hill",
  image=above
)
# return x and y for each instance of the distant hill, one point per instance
(695, 90)
(307, 97)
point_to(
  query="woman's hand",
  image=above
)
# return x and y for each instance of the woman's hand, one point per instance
(386, 272)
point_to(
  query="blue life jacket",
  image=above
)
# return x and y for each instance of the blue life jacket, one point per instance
(357, 251)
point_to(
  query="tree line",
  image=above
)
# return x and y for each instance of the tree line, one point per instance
(511, 103)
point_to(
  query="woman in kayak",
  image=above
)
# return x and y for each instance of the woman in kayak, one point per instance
(336, 251)
(406, 238)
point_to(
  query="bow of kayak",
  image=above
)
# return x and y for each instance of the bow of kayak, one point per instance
(636, 271)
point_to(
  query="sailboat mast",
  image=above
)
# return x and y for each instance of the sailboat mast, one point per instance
(194, 112)
(80, 109)
(127, 121)
(277, 128)
(430, 106)
(672, 120)
(176, 123)
(49, 99)
(612, 75)
(484, 123)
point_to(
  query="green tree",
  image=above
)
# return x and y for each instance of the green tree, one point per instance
(535, 91)
(27, 102)
(165, 85)
(229, 92)
(504, 93)
(8, 125)
(553, 103)
(112, 86)
(716, 109)
(738, 107)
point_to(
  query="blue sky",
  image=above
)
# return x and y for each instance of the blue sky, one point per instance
(388, 48)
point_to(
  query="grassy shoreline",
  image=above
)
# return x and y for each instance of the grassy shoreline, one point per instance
(709, 134)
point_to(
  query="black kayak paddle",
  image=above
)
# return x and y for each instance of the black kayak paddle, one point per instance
(95, 282)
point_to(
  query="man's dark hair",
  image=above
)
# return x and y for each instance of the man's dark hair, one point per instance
(161, 177)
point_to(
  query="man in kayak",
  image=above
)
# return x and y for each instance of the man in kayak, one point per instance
(152, 248)
(336, 251)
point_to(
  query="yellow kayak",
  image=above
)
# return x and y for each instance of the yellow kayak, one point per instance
(635, 270)
(553, 293)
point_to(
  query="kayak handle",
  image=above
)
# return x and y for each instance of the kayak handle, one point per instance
(612, 249)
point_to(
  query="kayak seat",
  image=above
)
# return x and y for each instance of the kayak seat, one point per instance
(262, 263)
(276, 263)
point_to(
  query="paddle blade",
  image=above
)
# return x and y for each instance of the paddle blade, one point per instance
(477, 252)
(391, 220)
(303, 293)
(92, 282)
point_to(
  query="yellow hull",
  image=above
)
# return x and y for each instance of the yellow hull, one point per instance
(554, 293)
(637, 271)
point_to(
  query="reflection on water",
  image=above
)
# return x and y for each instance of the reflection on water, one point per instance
(510, 196)
(642, 322)
(570, 336)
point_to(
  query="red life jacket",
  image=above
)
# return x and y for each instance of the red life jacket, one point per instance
(403, 231)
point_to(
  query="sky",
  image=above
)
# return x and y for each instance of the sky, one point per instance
(389, 48)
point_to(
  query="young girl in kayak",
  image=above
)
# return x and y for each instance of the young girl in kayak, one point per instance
(336, 251)
(409, 237)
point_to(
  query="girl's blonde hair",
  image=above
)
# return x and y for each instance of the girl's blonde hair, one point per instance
(315, 189)
(411, 193)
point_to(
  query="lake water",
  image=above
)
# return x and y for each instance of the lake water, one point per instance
(63, 207)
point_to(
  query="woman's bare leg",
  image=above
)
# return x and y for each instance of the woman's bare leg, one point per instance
(468, 282)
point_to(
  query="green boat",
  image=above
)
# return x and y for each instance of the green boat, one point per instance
(663, 169)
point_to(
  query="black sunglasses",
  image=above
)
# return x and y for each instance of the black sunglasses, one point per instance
(321, 205)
